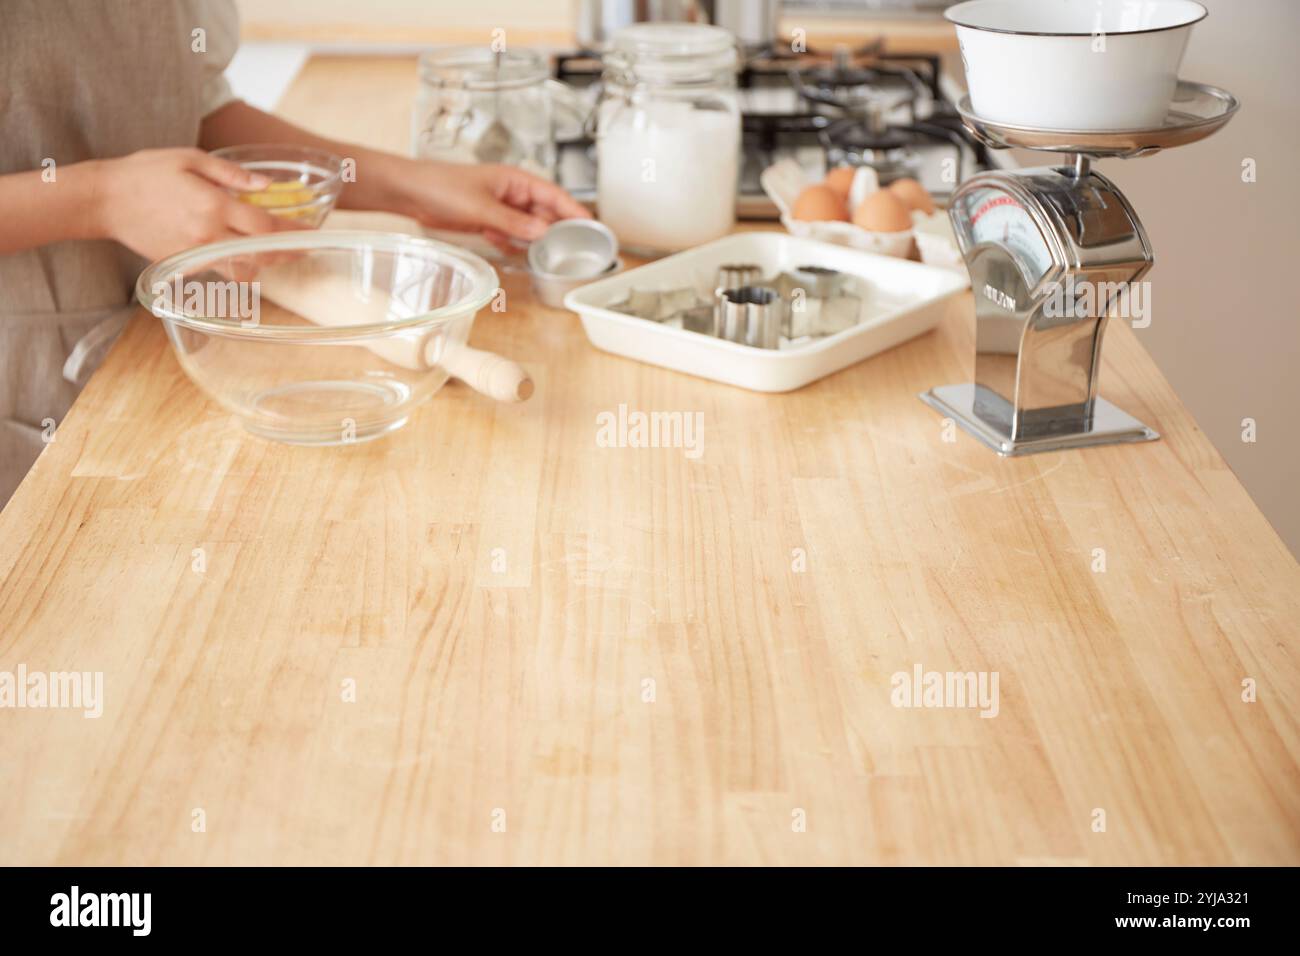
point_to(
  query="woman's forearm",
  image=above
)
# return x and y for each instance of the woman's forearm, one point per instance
(64, 202)
(49, 205)
(380, 177)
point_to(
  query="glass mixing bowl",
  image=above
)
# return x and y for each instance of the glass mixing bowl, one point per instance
(318, 338)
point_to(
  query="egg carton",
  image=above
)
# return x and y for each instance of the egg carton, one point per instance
(930, 233)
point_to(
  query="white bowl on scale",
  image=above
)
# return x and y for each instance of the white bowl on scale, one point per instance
(1074, 64)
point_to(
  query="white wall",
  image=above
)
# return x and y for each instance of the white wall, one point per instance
(1225, 323)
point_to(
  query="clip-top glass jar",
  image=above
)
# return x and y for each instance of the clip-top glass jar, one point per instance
(477, 105)
(668, 136)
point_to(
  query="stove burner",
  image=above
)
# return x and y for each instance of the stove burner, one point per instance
(853, 89)
(871, 90)
(892, 152)
(852, 135)
(852, 142)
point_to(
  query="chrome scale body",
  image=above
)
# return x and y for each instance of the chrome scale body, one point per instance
(1038, 349)
(1049, 250)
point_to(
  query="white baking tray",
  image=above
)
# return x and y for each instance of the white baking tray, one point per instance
(904, 300)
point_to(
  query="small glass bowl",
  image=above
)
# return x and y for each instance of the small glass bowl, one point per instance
(305, 182)
(318, 338)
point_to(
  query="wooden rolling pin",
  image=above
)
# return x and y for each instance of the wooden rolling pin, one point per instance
(327, 298)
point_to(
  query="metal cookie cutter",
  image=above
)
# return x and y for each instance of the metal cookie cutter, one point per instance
(750, 315)
(821, 301)
(736, 276)
(819, 281)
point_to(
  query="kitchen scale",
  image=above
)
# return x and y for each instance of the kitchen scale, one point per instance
(1051, 250)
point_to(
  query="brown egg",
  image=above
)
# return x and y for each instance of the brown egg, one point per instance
(820, 204)
(882, 211)
(841, 180)
(914, 194)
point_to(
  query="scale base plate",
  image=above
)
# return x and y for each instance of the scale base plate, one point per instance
(1110, 425)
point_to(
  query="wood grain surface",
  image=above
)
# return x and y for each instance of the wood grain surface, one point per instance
(346, 28)
(566, 653)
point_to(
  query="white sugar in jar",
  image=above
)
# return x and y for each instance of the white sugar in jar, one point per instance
(668, 136)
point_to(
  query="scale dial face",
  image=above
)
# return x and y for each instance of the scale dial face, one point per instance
(990, 215)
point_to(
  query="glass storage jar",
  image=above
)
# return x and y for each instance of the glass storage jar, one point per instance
(477, 105)
(668, 136)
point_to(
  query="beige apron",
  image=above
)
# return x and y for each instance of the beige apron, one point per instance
(85, 81)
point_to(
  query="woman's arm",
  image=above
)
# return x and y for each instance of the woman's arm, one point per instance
(237, 124)
(155, 202)
(39, 210)
(502, 202)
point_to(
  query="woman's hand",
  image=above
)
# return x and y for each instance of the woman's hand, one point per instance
(500, 202)
(160, 201)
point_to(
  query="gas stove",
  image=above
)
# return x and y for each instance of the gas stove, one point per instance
(850, 107)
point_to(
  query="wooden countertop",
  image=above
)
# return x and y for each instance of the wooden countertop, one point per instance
(920, 34)
(519, 699)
